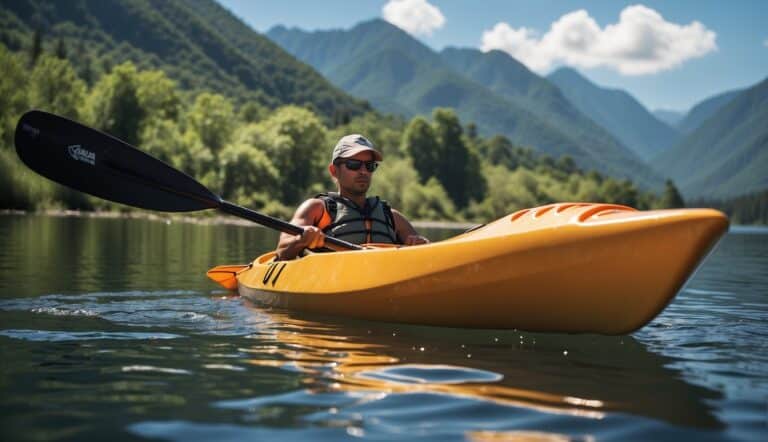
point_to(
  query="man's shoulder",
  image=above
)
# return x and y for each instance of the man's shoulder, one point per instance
(312, 203)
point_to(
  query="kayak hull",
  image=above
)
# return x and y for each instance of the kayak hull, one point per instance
(575, 268)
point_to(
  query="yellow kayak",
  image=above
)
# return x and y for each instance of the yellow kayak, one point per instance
(568, 267)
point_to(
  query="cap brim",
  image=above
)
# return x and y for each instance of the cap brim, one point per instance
(356, 150)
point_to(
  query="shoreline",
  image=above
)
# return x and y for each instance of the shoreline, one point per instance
(217, 219)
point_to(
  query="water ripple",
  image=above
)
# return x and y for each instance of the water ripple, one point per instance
(220, 315)
(153, 369)
(433, 374)
(57, 336)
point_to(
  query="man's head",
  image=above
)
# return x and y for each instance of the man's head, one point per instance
(353, 162)
(351, 145)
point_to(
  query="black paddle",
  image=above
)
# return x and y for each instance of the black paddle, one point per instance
(101, 165)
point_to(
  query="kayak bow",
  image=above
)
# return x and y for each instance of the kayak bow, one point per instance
(568, 267)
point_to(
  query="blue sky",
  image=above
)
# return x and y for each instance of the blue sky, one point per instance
(668, 54)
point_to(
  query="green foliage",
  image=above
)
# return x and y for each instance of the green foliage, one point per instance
(398, 182)
(251, 112)
(751, 208)
(158, 95)
(13, 94)
(163, 139)
(212, 118)
(55, 87)
(113, 104)
(420, 143)
(37, 47)
(248, 177)
(440, 152)
(671, 197)
(22, 188)
(294, 139)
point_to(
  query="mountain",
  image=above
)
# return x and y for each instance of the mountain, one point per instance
(618, 112)
(396, 73)
(728, 154)
(510, 79)
(196, 42)
(705, 109)
(670, 117)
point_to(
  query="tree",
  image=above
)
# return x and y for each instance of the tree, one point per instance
(13, 94)
(248, 177)
(55, 87)
(620, 192)
(420, 143)
(212, 117)
(475, 185)
(499, 150)
(113, 104)
(61, 49)
(252, 112)
(295, 141)
(164, 140)
(457, 172)
(671, 198)
(158, 95)
(37, 46)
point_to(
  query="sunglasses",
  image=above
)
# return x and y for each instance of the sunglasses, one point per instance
(357, 164)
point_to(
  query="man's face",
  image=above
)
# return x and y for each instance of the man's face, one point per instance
(354, 182)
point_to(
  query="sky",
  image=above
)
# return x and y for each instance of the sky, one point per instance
(668, 54)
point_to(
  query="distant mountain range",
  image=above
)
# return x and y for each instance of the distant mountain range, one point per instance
(396, 73)
(705, 109)
(727, 155)
(671, 117)
(618, 112)
(511, 80)
(197, 42)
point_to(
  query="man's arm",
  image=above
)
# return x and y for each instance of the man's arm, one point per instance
(405, 230)
(307, 216)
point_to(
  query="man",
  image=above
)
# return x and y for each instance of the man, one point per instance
(348, 214)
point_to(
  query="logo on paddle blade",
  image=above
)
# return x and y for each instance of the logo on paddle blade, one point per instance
(79, 153)
(32, 131)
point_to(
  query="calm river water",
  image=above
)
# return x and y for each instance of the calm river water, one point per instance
(109, 330)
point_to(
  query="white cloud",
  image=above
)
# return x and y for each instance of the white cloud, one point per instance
(642, 42)
(765, 42)
(417, 17)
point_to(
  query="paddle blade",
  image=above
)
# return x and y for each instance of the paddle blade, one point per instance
(226, 275)
(104, 166)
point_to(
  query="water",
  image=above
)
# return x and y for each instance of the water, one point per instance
(108, 329)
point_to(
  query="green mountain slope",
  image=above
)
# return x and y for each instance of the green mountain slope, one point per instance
(618, 112)
(197, 42)
(705, 109)
(728, 154)
(396, 73)
(510, 79)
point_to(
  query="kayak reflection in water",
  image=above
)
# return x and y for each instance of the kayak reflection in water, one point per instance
(348, 214)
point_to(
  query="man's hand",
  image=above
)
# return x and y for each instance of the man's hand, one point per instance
(413, 240)
(311, 238)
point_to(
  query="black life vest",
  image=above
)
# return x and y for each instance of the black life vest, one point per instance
(372, 223)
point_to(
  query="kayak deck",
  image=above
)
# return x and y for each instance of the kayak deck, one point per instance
(569, 267)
